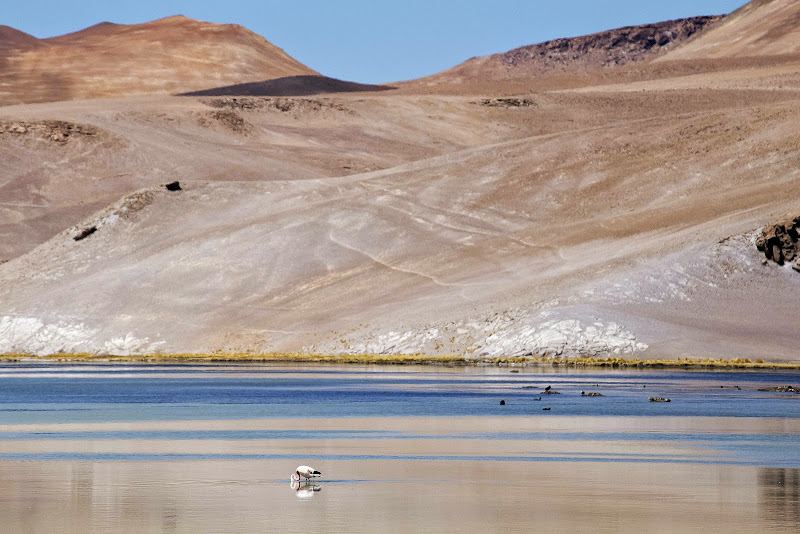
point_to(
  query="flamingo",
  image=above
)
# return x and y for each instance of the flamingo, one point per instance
(305, 472)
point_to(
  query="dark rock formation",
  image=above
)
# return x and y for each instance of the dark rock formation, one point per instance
(614, 47)
(779, 242)
(86, 232)
(507, 102)
(173, 186)
(659, 399)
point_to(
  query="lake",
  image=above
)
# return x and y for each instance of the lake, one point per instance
(190, 448)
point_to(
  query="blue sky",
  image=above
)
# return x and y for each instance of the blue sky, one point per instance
(372, 41)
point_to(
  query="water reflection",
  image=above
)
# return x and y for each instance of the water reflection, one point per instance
(780, 494)
(305, 489)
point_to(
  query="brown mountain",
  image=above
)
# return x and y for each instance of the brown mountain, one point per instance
(632, 44)
(171, 55)
(760, 28)
(12, 39)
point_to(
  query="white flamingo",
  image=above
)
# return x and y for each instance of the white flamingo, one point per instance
(306, 472)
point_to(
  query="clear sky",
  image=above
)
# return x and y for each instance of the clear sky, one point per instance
(373, 41)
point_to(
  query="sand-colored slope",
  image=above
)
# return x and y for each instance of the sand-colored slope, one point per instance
(598, 239)
(172, 55)
(61, 162)
(760, 28)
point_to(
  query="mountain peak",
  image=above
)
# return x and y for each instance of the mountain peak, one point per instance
(164, 56)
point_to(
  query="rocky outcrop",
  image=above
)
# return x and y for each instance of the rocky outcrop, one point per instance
(614, 47)
(779, 242)
(52, 130)
(507, 102)
(621, 46)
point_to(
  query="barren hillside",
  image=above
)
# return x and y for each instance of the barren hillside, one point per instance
(593, 239)
(166, 56)
(760, 28)
(599, 214)
(61, 162)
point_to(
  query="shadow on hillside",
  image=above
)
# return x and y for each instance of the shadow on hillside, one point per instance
(290, 86)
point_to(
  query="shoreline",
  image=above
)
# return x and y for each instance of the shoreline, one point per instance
(406, 359)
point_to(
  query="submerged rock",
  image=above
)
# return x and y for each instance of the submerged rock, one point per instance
(659, 399)
(781, 389)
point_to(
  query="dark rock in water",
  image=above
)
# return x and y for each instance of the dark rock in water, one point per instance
(545, 409)
(551, 392)
(779, 242)
(591, 394)
(515, 370)
(502, 403)
(781, 389)
(173, 186)
(659, 399)
(528, 387)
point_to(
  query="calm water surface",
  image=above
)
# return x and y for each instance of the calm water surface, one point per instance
(188, 448)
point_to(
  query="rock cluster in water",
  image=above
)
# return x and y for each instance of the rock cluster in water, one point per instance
(781, 389)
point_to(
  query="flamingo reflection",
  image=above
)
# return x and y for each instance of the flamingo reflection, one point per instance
(305, 489)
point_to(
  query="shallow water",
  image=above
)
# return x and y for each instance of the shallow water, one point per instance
(189, 448)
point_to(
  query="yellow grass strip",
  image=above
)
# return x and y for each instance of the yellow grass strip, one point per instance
(413, 359)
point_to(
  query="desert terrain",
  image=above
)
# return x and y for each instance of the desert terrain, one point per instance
(601, 195)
